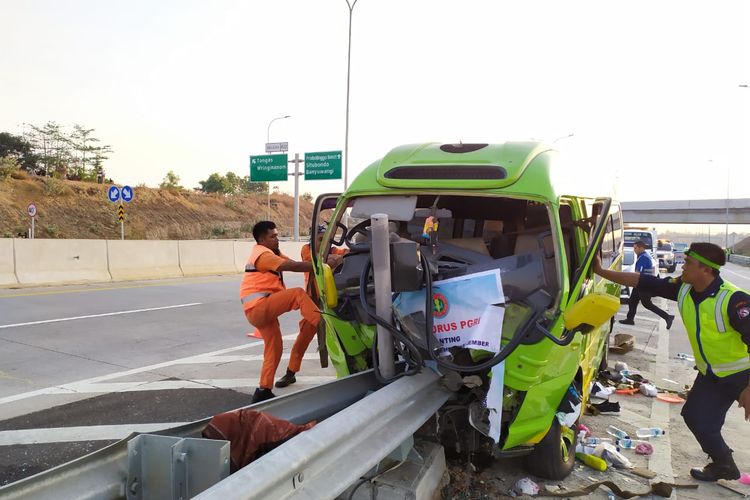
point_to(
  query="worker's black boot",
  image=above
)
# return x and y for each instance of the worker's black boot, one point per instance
(262, 394)
(723, 468)
(287, 379)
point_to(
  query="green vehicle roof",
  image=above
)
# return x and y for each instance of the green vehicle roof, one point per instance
(516, 168)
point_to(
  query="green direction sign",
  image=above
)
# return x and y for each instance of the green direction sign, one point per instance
(323, 166)
(268, 168)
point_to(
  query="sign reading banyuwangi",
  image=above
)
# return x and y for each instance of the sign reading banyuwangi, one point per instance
(323, 166)
(269, 168)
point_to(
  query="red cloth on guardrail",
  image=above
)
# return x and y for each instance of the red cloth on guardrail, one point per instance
(251, 433)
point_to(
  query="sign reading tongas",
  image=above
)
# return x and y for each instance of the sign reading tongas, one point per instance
(269, 168)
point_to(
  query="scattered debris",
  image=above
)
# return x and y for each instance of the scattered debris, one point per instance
(659, 489)
(624, 343)
(621, 365)
(669, 398)
(644, 449)
(643, 472)
(525, 486)
(607, 407)
(739, 488)
(648, 390)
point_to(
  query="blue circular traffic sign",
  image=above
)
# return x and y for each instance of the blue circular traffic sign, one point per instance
(113, 194)
(127, 193)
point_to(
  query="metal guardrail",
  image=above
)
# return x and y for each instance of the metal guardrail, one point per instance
(323, 461)
(103, 474)
(739, 259)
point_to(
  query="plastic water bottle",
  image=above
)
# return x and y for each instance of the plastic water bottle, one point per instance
(647, 432)
(593, 441)
(627, 443)
(618, 433)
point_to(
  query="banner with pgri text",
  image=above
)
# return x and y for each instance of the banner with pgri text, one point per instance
(465, 309)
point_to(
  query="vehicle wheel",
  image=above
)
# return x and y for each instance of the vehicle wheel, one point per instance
(554, 456)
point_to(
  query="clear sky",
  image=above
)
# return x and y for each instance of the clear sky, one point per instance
(650, 90)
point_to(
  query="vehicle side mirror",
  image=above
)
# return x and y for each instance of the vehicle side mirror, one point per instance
(591, 312)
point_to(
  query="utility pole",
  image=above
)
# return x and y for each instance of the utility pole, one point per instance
(268, 139)
(296, 175)
(348, 74)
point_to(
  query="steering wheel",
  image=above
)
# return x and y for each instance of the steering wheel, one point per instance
(360, 228)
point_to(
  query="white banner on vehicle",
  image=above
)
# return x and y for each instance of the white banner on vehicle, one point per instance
(465, 310)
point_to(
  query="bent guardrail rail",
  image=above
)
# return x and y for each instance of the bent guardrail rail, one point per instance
(323, 461)
(103, 474)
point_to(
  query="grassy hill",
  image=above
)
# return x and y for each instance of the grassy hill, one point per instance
(71, 209)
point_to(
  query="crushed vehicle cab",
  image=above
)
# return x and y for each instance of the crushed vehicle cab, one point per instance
(489, 258)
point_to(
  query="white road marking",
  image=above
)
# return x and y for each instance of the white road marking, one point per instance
(725, 270)
(70, 388)
(72, 434)
(661, 460)
(118, 313)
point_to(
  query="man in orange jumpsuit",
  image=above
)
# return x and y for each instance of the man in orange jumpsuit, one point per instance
(264, 298)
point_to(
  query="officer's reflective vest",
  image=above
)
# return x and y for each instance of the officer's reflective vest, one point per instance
(715, 343)
(257, 284)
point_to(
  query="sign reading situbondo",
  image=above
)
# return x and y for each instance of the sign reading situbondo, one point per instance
(269, 168)
(323, 166)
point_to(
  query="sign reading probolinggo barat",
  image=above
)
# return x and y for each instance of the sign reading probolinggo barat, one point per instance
(323, 166)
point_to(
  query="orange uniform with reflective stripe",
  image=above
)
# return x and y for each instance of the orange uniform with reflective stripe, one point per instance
(273, 300)
(259, 281)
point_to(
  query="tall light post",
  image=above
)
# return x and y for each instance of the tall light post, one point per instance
(563, 137)
(348, 74)
(268, 139)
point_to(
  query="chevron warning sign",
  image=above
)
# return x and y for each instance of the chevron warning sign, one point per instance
(120, 213)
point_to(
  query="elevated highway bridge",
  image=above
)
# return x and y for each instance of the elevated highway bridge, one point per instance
(721, 211)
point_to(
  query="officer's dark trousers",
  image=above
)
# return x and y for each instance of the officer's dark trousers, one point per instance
(645, 299)
(707, 405)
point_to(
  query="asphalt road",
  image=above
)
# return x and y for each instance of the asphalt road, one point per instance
(81, 366)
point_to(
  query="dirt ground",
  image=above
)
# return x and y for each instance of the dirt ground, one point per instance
(675, 453)
(72, 209)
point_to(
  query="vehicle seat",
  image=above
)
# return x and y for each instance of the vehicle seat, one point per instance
(473, 244)
(542, 240)
(500, 246)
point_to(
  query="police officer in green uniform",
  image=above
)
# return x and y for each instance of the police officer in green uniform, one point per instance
(716, 315)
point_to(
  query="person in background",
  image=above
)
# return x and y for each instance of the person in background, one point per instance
(716, 314)
(264, 298)
(644, 265)
(306, 253)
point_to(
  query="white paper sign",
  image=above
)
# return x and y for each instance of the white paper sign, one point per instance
(464, 310)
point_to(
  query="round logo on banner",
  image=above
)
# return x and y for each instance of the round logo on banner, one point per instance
(440, 305)
(31, 209)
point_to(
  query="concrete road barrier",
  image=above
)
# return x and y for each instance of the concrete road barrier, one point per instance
(147, 259)
(242, 251)
(61, 261)
(201, 257)
(292, 249)
(7, 263)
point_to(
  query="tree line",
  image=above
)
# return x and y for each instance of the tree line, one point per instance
(52, 150)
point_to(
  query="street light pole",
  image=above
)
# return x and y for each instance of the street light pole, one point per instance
(563, 137)
(268, 184)
(348, 74)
